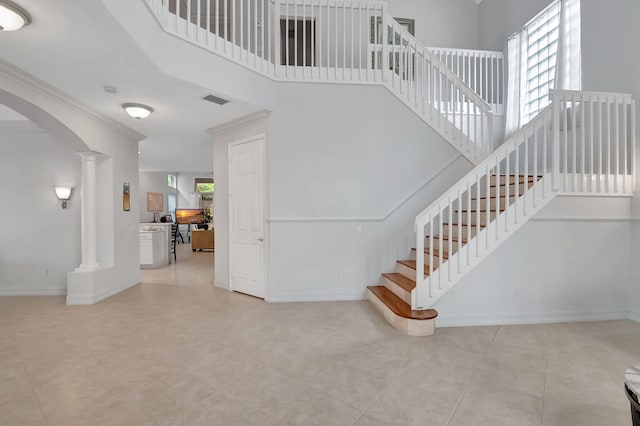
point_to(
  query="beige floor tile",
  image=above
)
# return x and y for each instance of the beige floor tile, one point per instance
(177, 351)
(488, 404)
(317, 408)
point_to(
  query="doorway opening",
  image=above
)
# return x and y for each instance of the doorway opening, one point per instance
(297, 42)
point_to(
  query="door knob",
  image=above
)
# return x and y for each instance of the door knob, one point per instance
(260, 239)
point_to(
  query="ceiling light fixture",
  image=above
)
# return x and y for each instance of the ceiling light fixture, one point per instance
(137, 111)
(12, 16)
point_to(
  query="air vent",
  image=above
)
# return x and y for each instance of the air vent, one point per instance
(215, 99)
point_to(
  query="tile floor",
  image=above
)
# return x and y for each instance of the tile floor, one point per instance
(176, 351)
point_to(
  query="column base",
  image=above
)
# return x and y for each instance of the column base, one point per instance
(89, 286)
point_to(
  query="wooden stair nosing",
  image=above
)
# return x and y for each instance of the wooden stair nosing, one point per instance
(412, 265)
(455, 238)
(402, 281)
(436, 252)
(399, 306)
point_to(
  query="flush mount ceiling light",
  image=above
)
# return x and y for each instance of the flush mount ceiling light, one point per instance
(12, 16)
(137, 111)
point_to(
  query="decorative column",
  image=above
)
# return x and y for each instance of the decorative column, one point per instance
(89, 212)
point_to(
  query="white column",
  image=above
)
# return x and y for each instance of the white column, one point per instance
(89, 212)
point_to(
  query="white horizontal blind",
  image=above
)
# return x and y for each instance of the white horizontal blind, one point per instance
(542, 51)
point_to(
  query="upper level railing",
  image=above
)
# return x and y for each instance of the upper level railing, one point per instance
(336, 41)
(583, 143)
(482, 70)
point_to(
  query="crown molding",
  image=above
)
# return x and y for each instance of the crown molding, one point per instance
(31, 82)
(20, 126)
(232, 125)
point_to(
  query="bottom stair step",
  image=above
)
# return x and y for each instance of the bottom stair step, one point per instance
(399, 314)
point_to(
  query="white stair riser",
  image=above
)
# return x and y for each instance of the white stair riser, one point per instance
(445, 245)
(406, 271)
(455, 230)
(482, 203)
(397, 290)
(436, 260)
(472, 218)
(404, 325)
(512, 180)
(503, 189)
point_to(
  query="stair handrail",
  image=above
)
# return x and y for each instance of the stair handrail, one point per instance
(581, 143)
(405, 41)
(423, 291)
(482, 70)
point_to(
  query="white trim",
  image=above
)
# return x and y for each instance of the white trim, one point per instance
(539, 318)
(263, 138)
(224, 286)
(29, 81)
(33, 291)
(88, 299)
(580, 219)
(20, 126)
(318, 297)
(237, 123)
(369, 219)
(114, 291)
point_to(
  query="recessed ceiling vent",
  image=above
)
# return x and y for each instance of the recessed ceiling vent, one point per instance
(215, 99)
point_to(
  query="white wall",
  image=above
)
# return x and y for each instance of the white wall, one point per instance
(40, 241)
(441, 23)
(347, 175)
(82, 130)
(187, 197)
(154, 182)
(570, 262)
(609, 33)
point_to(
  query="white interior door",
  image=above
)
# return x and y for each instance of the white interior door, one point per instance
(247, 221)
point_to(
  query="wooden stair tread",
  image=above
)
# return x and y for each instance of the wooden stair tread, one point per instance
(455, 238)
(436, 252)
(409, 263)
(473, 225)
(399, 306)
(494, 197)
(402, 281)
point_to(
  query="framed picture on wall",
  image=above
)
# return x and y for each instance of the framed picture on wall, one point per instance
(126, 197)
(155, 202)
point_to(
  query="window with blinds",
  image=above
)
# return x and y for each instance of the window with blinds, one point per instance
(542, 51)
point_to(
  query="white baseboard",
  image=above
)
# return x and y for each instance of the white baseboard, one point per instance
(223, 286)
(540, 318)
(88, 299)
(634, 316)
(33, 291)
(317, 297)
(112, 291)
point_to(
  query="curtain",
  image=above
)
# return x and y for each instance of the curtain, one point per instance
(569, 66)
(568, 73)
(517, 81)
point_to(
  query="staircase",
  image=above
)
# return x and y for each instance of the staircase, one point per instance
(583, 143)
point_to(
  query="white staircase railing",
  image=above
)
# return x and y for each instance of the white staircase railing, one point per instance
(437, 94)
(343, 42)
(583, 143)
(482, 70)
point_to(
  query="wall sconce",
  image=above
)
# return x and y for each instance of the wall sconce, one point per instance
(63, 193)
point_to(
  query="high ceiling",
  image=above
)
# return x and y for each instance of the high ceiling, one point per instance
(78, 47)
